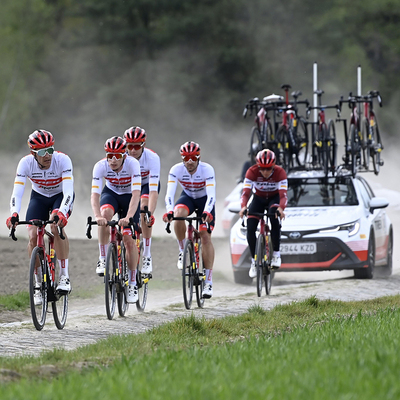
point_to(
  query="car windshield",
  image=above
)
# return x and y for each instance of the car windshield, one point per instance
(332, 191)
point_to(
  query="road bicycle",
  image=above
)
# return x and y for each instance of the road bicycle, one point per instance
(263, 134)
(116, 278)
(323, 143)
(371, 132)
(193, 274)
(292, 135)
(263, 252)
(43, 277)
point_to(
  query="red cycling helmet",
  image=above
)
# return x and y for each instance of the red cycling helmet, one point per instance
(265, 158)
(115, 145)
(190, 149)
(40, 139)
(135, 134)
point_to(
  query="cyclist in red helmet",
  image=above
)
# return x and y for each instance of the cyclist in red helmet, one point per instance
(197, 180)
(135, 138)
(268, 184)
(50, 173)
(121, 194)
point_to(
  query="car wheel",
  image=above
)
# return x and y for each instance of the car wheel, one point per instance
(388, 268)
(242, 277)
(367, 273)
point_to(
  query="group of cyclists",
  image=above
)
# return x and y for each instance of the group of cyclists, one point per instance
(131, 173)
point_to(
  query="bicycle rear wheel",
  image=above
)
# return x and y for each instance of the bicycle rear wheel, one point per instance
(122, 286)
(283, 156)
(260, 254)
(331, 145)
(255, 144)
(187, 274)
(268, 275)
(142, 281)
(110, 280)
(60, 305)
(301, 142)
(355, 150)
(38, 284)
(367, 135)
(200, 276)
(377, 148)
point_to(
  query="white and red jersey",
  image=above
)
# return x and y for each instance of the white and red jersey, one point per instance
(49, 182)
(266, 188)
(200, 184)
(123, 182)
(150, 169)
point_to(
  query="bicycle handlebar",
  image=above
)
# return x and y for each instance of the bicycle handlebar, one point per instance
(38, 223)
(147, 215)
(90, 222)
(322, 107)
(188, 219)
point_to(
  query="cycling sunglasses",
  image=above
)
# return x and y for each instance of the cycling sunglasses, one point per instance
(42, 152)
(131, 146)
(187, 158)
(265, 169)
(117, 156)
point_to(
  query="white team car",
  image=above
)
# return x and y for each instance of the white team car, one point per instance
(334, 223)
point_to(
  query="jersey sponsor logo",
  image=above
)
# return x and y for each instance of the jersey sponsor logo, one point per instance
(47, 183)
(210, 177)
(66, 170)
(144, 174)
(21, 175)
(193, 185)
(121, 181)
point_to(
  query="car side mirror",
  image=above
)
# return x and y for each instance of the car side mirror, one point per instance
(377, 202)
(235, 207)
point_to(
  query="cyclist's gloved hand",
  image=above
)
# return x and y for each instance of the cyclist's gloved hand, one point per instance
(151, 220)
(12, 220)
(168, 216)
(62, 219)
(205, 215)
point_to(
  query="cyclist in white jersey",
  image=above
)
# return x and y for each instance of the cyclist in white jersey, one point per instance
(50, 173)
(135, 138)
(197, 180)
(121, 194)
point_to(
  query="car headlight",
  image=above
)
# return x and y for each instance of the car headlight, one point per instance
(352, 228)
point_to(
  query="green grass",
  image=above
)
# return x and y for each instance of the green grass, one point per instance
(305, 350)
(15, 302)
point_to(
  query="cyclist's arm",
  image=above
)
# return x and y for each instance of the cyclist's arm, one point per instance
(210, 189)
(154, 180)
(171, 189)
(97, 183)
(67, 186)
(19, 187)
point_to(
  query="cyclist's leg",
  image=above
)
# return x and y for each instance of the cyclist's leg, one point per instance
(275, 232)
(257, 206)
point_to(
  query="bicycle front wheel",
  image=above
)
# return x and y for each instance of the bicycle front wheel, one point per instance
(268, 274)
(260, 254)
(188, 274)
(38, 288)
(142, 281)
(122, 286)
(110, 280)
(60, 306)
(367, 136)
(355, 150)
(200, 275)
(283, 155)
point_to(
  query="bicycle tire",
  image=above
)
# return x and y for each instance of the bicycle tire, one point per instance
(283, 156)
(324, 155)
(355, 150)
(123, 305)
(187, 274)
(301, 142)
(60, 306)
(260, 254)
(200, 276)
(268, 137)
(110, 280)
(377, 149)
(268, 275)
(332, 145)
(369, 141)
(142, 281)
(255, 144)
(38, 312)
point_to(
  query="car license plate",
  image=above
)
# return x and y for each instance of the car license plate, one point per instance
(298, 248)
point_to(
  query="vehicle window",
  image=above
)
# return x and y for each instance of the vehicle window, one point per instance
(367, 187)
(321, 192)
